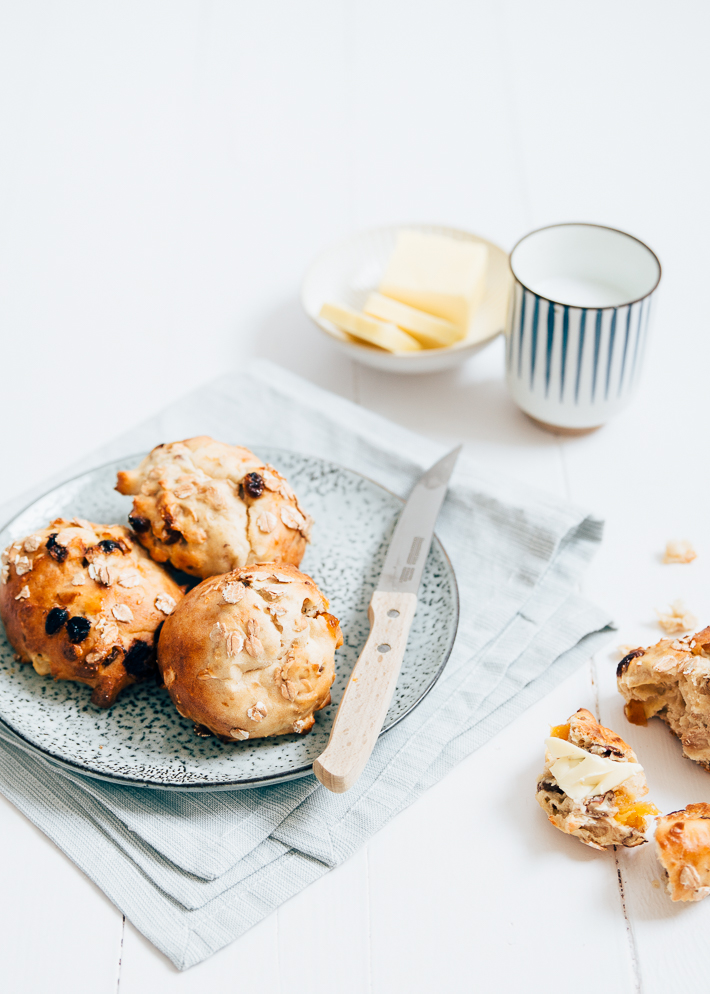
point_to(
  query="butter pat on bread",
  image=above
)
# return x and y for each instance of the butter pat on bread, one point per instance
(592, 785)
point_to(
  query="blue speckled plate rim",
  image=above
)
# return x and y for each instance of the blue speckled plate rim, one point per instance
(252, 782)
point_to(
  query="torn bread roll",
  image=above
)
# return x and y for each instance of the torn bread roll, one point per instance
(683, 848)
(671, 681)
(592, 784)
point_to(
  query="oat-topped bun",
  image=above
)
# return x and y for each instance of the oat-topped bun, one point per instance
(683, 847)
(592, 783)
(671, 680)
(251, 653)
(83, 602)
(210, 508)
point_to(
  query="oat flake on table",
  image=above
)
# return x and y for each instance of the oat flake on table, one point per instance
(677, 619)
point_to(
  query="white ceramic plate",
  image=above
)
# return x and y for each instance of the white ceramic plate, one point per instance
(345, 274)
(142, 740)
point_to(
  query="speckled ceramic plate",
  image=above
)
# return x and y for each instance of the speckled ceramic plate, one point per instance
(142, 740)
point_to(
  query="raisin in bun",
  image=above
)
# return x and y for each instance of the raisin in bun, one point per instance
(209, 508)
(251, 654)
(83, 602)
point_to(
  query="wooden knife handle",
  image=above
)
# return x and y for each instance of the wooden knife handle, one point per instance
(368, 694)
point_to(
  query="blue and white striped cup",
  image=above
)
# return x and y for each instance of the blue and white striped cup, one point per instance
(578, 322)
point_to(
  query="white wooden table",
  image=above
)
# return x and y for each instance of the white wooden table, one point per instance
(168, 170)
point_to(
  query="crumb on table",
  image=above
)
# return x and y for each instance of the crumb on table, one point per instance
(677, 619)
(679, 551)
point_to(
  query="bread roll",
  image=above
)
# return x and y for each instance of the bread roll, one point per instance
(251, 654)
(84, 602)
(208, 508)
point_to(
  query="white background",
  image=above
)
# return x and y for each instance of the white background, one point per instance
(168, 169)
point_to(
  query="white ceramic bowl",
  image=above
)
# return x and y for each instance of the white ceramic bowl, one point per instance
(347, 272)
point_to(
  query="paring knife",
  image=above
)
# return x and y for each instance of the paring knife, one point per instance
(369, 691)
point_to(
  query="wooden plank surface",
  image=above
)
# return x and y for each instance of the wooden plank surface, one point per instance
(169, 169)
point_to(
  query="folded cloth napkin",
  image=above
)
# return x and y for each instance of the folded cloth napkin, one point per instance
(193, 872)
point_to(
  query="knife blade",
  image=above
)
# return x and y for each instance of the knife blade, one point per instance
(411, 539)
(367, 696)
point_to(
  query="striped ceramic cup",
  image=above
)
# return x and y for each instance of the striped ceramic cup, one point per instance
(578, 323)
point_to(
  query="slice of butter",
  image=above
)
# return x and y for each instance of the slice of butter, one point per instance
(581, 774)
(429, 331)
(382, 333)
(440, 275)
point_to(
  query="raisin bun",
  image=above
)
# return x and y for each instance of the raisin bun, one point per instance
(592, 785)
(209, 508)
(251, 654)
(683, 848)
(84, 602)
(671, 681)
